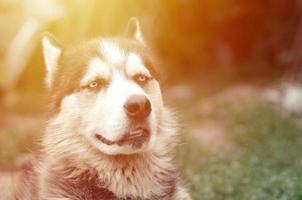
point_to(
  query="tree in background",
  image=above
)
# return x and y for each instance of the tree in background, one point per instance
(293, 73)
(224, 39)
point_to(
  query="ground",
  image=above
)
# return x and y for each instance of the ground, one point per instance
(235, 144)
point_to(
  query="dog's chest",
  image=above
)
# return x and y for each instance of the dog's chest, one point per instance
(89, 187)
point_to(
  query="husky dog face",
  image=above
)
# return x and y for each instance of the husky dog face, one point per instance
(107, 90)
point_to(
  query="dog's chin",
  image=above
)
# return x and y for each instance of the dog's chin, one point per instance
(138, 141)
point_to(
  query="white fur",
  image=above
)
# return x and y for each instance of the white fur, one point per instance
(115, 173)
(104, 111)
(108, 116)
(96, 69)
(138, 33)
(134, 65)
(112, 52)
(52, 54)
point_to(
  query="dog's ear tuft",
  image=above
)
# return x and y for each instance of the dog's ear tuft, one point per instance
(134, 30)
(52, 52)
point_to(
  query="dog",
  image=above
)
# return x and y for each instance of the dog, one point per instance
(109, 135)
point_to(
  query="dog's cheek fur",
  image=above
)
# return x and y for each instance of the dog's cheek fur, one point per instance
(154, 93)
(149, 174)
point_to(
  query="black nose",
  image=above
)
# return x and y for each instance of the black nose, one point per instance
(138, 107)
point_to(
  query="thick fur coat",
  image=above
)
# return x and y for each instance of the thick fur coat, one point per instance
(84, 154)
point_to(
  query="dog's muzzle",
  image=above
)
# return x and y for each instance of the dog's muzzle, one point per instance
(135, 138)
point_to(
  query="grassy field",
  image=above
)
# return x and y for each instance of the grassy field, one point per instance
(230, 149)
(263, 159)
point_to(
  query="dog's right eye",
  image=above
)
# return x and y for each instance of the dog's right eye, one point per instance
(95, 85)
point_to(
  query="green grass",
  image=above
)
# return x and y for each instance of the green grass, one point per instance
(264, 164)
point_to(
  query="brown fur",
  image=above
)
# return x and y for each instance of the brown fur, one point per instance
(68, 166)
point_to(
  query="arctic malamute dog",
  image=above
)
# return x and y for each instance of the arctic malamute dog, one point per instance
(110, 135)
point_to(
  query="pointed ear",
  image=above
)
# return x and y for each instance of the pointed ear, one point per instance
(134, 30)
(52, 53)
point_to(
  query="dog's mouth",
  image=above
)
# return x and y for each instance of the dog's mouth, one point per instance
(135, 138)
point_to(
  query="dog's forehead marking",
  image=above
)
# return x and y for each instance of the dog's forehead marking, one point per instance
(96, 69)
(112, 52)
(135, 65)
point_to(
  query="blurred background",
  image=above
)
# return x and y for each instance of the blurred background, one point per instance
(231, 68)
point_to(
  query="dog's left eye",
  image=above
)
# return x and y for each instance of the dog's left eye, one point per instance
(141, 79)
